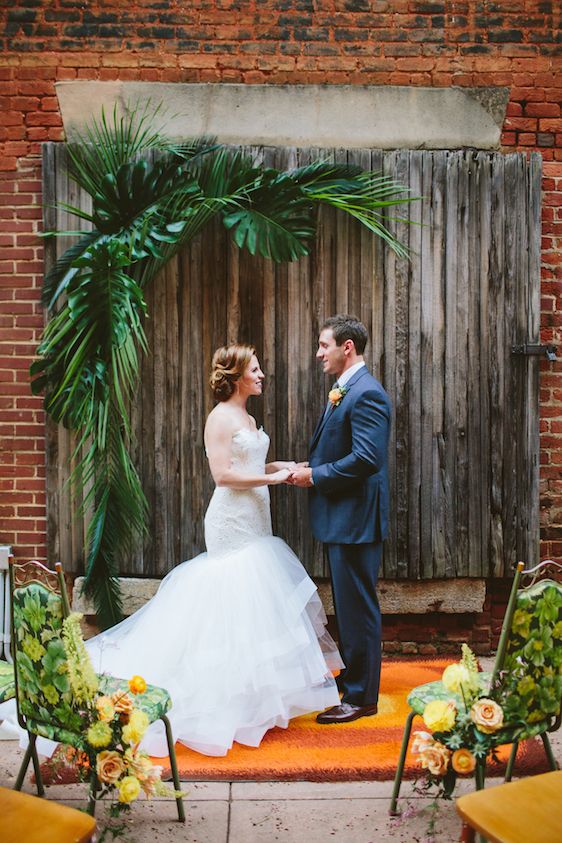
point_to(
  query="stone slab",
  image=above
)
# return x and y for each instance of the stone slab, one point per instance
(345, 820)
(396, 597)
(351, 116)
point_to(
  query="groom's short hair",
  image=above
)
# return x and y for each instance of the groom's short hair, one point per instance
(345, 327)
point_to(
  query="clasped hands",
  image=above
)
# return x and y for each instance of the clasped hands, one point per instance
(300, 474)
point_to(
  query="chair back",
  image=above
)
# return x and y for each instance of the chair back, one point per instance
(531, 679)
(43, 695)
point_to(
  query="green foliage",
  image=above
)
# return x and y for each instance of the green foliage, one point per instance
(150, 196)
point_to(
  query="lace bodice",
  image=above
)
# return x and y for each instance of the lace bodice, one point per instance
(236, 517)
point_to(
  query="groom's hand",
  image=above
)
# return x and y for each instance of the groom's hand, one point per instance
(302, 477)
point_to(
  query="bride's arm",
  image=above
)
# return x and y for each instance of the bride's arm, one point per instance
(218, 443)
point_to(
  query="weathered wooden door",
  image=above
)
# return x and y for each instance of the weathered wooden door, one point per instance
(464, 446)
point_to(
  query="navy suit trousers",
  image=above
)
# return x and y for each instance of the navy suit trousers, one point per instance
(354, 570)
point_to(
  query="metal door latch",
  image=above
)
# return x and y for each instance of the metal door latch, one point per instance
(529, 348)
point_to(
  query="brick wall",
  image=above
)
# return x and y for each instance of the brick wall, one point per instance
(512, 43)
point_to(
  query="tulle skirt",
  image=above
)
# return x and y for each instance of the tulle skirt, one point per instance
(239, 641)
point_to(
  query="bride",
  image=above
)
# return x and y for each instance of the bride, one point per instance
(236, 635)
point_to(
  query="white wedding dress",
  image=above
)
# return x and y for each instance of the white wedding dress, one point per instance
(236, 635)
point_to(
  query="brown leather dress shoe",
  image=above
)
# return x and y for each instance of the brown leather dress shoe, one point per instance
(345, 713)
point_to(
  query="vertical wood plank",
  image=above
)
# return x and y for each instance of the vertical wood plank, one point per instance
(437, 269)
(497, 365)
(450, 367)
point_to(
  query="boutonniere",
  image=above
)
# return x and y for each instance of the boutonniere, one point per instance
(335, 395)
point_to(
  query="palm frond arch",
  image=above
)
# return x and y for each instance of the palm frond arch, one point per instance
(150, 197)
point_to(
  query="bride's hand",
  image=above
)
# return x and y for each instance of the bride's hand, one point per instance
(279, 477)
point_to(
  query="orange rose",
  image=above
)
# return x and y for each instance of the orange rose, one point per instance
(109, 766)
(123, 704)
(137, 685)
(486, 715)
(463, 761)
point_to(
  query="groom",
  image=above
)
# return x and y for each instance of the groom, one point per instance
(348, 479)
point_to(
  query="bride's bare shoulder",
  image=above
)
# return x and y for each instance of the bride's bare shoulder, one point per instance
(221, 420)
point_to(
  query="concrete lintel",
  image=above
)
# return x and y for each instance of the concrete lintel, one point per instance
(350, 116)
(396, 597)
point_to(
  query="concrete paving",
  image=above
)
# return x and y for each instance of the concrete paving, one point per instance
(262, 812)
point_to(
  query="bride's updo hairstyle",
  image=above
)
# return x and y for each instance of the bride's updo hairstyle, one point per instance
(229, 364)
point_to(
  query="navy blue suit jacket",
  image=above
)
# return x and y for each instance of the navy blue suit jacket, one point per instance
(349, 503)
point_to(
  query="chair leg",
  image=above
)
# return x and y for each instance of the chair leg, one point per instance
(549, 753)
(92, 793)
(36, 766)
(467, 834)
(511, 761)
(23, 768)
(174, 766)
(401, 761)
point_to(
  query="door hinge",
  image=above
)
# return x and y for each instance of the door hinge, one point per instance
(531, 349)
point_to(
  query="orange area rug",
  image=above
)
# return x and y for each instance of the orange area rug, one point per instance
(366, 749)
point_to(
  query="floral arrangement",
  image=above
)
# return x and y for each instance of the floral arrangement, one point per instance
(336, 394)
(461, 733)
(112, 728)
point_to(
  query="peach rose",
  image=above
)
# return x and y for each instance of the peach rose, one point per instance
(421, 741)
(463, 761)
(123, 704)
(435, 758)
(486, 715)
(109, 766)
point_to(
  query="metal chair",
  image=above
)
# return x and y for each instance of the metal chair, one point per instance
(527, 714)
(45, 704)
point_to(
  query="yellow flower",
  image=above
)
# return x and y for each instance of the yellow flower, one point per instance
(435, 758)
(134, 731)
(137, 685)
(457, 675)
(486, 715)
(109, 766)
(463, 761)
(439, 715)
(129, 789)
(99, 734)
(105, 708)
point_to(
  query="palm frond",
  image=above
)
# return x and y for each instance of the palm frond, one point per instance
(62, 272)
(272, 217)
